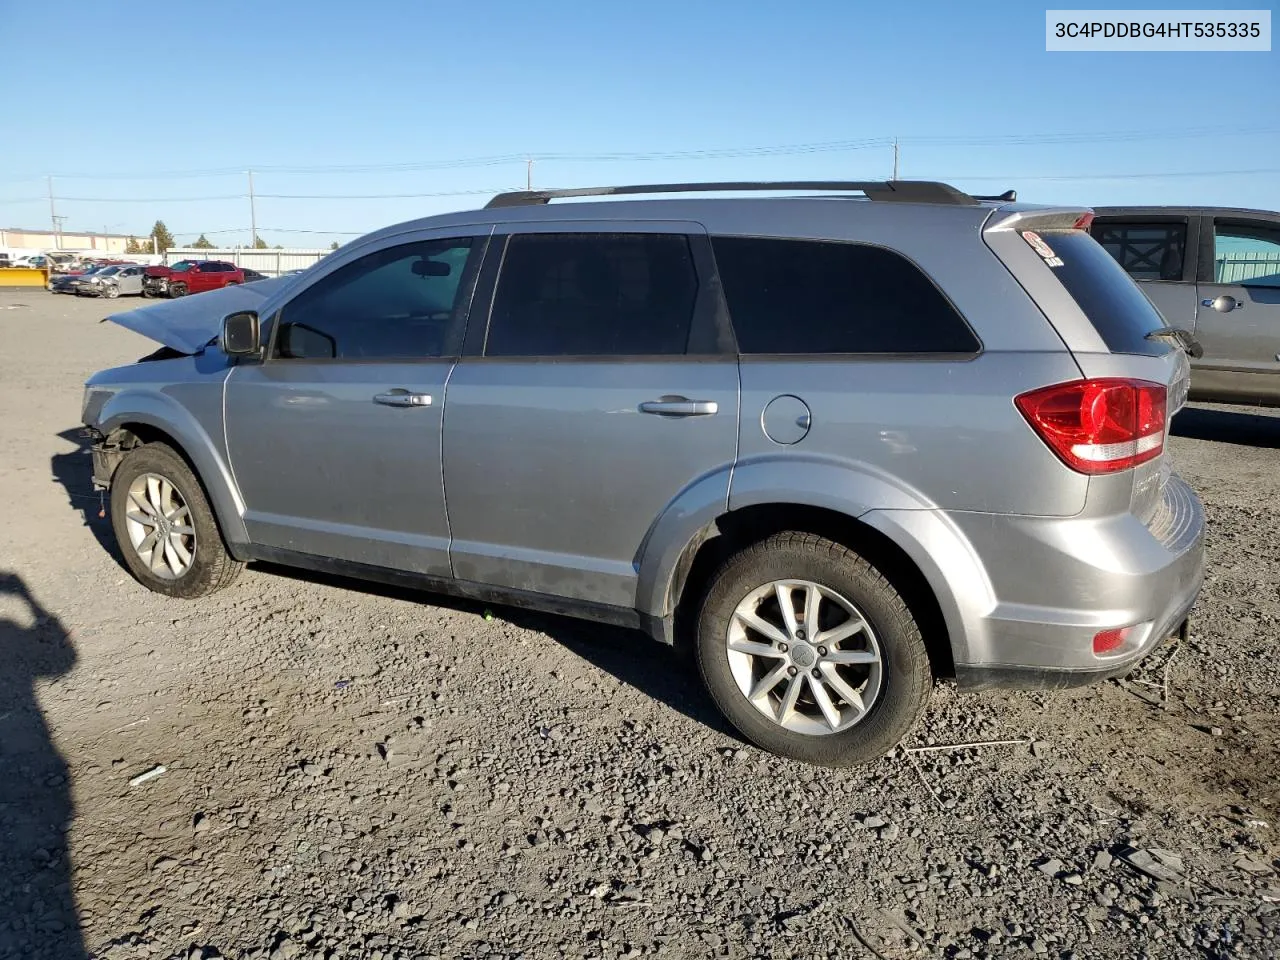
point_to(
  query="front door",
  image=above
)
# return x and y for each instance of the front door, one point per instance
(602, 392)
(334, 439)
(1238, 316)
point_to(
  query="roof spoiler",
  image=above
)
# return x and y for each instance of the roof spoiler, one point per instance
(902, 191)
(1009, 196)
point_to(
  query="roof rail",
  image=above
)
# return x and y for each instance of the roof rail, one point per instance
(905, 191)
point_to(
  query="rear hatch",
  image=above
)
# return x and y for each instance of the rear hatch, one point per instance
(1119, 341)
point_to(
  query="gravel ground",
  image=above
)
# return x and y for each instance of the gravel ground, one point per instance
(352, 771)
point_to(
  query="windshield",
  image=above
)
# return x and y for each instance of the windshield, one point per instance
(108, 271)
(182, 265)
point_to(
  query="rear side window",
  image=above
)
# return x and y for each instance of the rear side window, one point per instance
(1145, 251)
(813, 297)
(1118, 309)
(593, 295)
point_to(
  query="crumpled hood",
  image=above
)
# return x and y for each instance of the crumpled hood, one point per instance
(188, 323)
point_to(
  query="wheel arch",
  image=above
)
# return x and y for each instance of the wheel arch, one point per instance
(735, 530)
(142, 423)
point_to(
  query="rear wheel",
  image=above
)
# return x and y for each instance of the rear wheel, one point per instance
(811, 653)
(164, 526)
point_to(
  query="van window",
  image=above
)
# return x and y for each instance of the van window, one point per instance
(1118, 309)
(812, 297)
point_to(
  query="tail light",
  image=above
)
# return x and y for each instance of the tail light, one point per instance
(1099, 426)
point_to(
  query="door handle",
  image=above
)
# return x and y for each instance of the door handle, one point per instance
(1223, 304)
(403, 398)
(680, 407)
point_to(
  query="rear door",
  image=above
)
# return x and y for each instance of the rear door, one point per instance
(1238, 318)
(1159, 252)
(130, 279)
(598, 393)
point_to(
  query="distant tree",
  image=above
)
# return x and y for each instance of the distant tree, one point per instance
(133, 246)
(279, 247)
(163, 238)
(202, 243)
(260, 244)
(334, 245)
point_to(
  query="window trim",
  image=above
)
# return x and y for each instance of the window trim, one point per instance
(861, 355)
(710, 314)
(481, 248)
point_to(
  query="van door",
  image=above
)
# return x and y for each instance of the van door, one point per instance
(598, 394)
(1238, 314)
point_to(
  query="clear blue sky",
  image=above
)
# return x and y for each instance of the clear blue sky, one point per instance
(117, 101)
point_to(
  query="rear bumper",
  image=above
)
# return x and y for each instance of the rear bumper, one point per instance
(1058, 582)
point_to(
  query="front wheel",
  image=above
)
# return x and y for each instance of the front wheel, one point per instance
(811, 653)
(164, 526)
(111, 291)
(178, 290)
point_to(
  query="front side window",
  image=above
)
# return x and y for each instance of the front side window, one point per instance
(404, 302)
(593, 295)
(1146, 251)
(1246, 253)
(822, 297)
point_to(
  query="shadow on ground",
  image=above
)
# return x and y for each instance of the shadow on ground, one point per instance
(38, 915)
(74, 471)
(629, 656)
(1245, 426)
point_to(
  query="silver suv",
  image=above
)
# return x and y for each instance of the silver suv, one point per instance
(839, 444)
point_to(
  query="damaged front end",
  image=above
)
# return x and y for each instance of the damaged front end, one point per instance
(189, 324)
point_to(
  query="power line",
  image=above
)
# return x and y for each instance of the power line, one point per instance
(723, 153)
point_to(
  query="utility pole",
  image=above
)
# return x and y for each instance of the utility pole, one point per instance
(57, 230)
(253, 215)
(53, 215)
(895, 158)
(528, 174)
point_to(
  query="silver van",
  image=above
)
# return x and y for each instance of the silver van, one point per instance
(840, 442)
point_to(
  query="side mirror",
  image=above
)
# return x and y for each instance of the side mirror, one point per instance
(240, 334)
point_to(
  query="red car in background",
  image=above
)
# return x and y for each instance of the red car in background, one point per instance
(190, 276)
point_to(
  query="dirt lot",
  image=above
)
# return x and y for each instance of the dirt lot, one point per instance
(358, 772)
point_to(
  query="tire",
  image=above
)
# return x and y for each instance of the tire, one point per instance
(210, 567)
(177, 290)
(146, 293)
(901, 679)
(110, 291)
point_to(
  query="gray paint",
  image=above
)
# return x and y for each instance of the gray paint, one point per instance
(544, 476)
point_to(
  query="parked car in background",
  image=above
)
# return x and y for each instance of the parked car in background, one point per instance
(839, 445)
(1213, 272)
(65, 282)
(190, 276)
(5, 260)
(250, 276)
(111, 282)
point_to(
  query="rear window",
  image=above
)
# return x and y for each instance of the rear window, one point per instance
(1118, 309)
